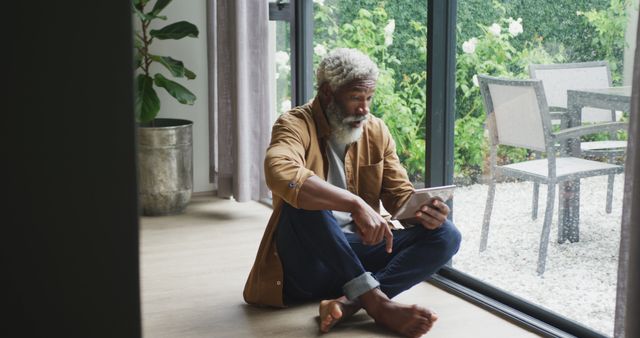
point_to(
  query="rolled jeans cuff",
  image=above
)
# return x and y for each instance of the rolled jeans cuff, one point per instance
(359, 285)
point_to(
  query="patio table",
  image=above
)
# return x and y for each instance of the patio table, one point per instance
(616, 98)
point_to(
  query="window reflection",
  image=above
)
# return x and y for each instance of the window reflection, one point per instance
(503, 40)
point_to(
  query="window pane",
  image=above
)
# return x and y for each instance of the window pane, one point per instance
(393, 34)
(280, 54)
(502, 39)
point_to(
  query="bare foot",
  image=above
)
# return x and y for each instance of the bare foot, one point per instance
(332, 311)
(407, 320)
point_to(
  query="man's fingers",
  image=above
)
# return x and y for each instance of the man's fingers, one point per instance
(368, 236)
(363, 236)
(437, 214)
(388, 236)
(426, 217)
(430, 219)
(442, 207)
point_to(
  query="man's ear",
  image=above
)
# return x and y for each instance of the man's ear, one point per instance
(326, 92)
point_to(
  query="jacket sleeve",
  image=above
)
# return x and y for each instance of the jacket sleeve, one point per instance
(396, 187)
(285, 160)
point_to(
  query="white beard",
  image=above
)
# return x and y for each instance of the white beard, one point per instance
(341, 130)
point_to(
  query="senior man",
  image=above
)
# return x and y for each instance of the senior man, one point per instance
(329, 164)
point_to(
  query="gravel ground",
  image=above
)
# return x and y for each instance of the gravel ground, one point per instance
(580, 278)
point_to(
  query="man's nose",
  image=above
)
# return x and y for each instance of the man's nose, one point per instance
(363, 108)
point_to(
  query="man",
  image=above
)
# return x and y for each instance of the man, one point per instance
(329, 165)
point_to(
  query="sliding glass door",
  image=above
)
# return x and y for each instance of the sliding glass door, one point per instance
(569, 45)
(432, 103)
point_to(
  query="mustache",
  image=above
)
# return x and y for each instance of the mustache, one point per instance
(351, 119)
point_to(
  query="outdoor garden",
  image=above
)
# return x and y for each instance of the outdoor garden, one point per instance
(500, 38)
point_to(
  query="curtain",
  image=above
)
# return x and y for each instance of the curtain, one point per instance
(239, 101)
(628, 295)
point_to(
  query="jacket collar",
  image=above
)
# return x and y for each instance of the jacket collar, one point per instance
(322, 125)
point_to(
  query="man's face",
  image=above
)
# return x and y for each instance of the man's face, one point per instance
(349, 108)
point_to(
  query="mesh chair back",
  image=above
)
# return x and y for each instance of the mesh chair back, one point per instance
(558, 78)
(514, 108)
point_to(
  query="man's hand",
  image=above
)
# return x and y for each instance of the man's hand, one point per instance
(433, 214)
(371, 227)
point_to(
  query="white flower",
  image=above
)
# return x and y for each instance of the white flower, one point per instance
(515, 27)
(320, 50)
(469, 46)
(474, 79)
(282, 58)
(285, 105)
(495, 29)
(388, 32)
(319, 2)
(390, 27)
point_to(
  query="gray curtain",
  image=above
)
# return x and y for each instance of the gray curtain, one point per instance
(627, 322)
(239, 100)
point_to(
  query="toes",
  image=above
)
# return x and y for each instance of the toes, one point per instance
(417, 332)
(432, 316)
(336, 313)
(326, 324)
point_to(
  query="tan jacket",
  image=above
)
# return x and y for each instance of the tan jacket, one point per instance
(296, 152)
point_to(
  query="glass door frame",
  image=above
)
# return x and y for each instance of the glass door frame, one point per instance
(299, 15)
(439, 143)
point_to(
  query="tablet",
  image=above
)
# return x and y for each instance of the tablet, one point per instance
(421, 197)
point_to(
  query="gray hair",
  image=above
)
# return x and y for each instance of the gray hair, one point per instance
(343, 65)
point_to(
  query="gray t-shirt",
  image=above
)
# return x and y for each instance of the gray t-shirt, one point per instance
(335, 154)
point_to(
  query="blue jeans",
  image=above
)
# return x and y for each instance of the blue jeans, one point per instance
(319, 259)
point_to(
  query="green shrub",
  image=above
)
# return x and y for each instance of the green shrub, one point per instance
(401, 104)
(610, 25)
(470, 146)
(549, 32)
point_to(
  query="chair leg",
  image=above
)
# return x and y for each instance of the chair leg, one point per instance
(487, 215)
(534, 201)
(536, 192)
(546, 229)
(609, 193)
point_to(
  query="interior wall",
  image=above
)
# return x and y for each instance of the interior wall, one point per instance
(193, 52)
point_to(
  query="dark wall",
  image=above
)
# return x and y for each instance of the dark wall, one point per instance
(69, 228)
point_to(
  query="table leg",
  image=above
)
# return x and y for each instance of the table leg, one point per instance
(569, 191)
(569, 211)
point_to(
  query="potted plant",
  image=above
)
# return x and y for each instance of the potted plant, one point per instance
(165, 153)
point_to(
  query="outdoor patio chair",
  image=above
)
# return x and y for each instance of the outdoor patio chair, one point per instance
(518, 115)
(557, 79)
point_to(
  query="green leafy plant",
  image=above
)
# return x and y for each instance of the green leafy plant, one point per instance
(147, 104)
(470, 146)
(401, 104)
(610, 25)
(495, 37)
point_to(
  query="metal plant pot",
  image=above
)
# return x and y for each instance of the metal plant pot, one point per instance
(165, 164)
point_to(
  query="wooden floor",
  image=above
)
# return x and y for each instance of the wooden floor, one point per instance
(193, 269)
